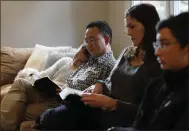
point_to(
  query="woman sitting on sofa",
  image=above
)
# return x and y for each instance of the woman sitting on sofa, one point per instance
(59, 71)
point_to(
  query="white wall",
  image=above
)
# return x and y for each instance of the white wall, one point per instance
(116, 19)
(55, 23)
(52, 23)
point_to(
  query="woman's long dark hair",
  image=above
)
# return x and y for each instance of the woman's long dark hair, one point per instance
(148, 16)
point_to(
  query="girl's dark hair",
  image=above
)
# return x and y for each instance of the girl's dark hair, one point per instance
(148, 16)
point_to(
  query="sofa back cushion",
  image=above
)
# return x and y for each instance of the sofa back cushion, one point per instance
(40, 57)
(43, 57)
(12, 61)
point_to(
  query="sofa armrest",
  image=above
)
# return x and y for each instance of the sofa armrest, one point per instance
(4, 89)
(12, 61)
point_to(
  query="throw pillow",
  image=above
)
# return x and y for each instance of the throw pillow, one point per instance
(53, 57)
(39, 57)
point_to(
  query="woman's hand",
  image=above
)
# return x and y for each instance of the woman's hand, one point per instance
(99, 100)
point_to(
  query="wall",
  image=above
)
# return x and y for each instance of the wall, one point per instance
(52, 23)
(55, 23)
(116, 19)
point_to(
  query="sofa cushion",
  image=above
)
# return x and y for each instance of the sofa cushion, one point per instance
(55, 56)
(12, 61)
(43, 57)
(4, 89)
(27, 126)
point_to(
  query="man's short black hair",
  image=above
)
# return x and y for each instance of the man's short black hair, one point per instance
(178, 25)
(103, 27)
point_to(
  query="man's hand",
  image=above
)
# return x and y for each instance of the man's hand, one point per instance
(99, 100)
(97, 89)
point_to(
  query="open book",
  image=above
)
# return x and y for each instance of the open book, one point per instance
(47, 86)
(67, 90)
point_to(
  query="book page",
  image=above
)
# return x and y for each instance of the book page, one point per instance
(67, 90)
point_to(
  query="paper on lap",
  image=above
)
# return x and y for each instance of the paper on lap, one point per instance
(67, 90)
(45, 84)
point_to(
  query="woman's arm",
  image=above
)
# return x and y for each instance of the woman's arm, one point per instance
(55, 67)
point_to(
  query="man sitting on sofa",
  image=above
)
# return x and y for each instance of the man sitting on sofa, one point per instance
(15, 103)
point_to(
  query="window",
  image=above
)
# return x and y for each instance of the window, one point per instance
(180, 6)
(183, 6)
(166, 8)
(160, 6)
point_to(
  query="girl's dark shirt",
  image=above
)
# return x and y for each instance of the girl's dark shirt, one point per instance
(127, 85)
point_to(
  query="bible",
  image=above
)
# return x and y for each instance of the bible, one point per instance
(67, 91)
(47, 86)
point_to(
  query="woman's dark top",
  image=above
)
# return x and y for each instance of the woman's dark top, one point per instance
(127, 85)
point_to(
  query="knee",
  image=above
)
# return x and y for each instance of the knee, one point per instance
(46, 116)
(45, 120)
(22, 81)
(22, 84)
